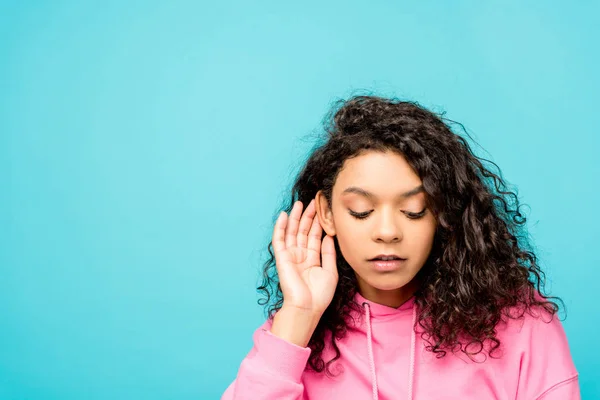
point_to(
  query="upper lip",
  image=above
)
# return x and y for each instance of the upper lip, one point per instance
(387, 255)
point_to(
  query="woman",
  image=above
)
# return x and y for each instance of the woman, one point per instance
(424, 285)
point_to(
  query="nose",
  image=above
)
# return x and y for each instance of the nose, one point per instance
(387, 228)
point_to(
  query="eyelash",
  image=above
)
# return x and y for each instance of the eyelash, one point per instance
(408, 214)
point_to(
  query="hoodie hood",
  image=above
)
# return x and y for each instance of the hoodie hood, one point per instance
(374, 310)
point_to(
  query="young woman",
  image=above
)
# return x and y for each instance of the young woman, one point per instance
(424, 285)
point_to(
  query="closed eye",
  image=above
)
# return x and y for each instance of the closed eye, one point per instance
(410, 215)
(360, 215)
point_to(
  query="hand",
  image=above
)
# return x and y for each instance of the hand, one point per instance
(307, 285)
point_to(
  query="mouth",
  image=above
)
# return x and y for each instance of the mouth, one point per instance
(388, 264)
(387, 257)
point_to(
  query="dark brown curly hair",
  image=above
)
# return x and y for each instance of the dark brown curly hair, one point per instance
(481, 267)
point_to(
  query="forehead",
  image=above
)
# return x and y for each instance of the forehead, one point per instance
(377, 172)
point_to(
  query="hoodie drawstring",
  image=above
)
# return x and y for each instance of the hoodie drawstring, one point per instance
(370, 350)
(371, 358)
(411, 372)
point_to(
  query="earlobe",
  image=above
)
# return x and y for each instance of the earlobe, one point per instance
(324, 214)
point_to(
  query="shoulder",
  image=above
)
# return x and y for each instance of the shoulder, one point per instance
(538, 343)
(533, 330)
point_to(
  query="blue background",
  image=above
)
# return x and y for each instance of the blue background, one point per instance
(145, 148)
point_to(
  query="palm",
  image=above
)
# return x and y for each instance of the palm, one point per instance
(305, 281)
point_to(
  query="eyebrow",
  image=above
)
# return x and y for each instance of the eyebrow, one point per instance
(363, 192)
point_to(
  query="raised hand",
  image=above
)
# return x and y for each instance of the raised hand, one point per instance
(306, 265)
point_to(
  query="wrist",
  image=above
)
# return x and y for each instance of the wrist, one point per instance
(295, 325)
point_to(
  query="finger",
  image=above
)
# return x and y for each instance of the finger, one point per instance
(314, 236)
(305, 224)
(328, 255)
(292, 225)
(279, 232)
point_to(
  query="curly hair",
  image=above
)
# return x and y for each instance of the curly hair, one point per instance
(481, 267)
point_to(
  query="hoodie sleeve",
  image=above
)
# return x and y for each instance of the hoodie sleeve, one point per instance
(565, 390)
(547, 371)
(272, 369)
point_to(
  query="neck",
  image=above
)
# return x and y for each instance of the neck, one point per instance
(391, 298)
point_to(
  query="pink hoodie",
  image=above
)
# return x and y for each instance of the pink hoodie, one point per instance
(383, 358)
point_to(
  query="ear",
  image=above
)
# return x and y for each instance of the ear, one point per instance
(324, 214)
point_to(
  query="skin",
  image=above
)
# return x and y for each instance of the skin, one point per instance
(388, 229)
(306, 264)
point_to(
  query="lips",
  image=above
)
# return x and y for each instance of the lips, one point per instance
(387, 266)
(387, 257)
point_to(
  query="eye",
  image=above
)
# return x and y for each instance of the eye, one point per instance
(362, 215)
(416, 215)
(410, 215)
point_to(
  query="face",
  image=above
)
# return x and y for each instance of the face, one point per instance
(378, 207)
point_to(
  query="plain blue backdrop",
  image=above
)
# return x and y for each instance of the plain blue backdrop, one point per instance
(145, 148)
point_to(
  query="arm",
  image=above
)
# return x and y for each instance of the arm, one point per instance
(565, 390)
(274, 366)
(547, 371)
(273, 369)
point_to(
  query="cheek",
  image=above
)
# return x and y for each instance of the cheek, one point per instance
(422, 236)
(351, 240)
(347, 227)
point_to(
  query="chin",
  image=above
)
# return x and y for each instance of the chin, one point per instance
(388, 282)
